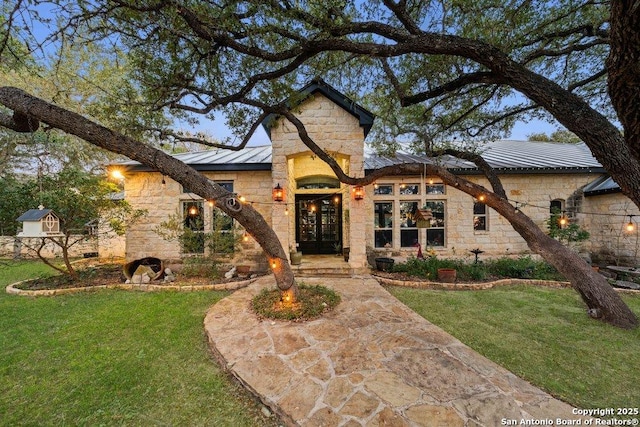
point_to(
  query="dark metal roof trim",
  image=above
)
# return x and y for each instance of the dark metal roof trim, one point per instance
(364, 116)
(211, 167)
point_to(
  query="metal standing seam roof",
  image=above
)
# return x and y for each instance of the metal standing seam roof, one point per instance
(603, 185)
(249, 158)
(34, 215)
(507, 155)
(504, 156)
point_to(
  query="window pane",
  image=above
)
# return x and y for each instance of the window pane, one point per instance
(227, 185)
(193, 220)
(435, 188)
(384, 238)
(437, 209)
(316, 182)
(479, 223)
(479, 208)
(435, 237)
(408, 214)
(408, 237)
(409, 189)
(383, 214)
(383, 189)
(221, 221)
(193, 214)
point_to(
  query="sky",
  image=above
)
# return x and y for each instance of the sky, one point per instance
(519, 133)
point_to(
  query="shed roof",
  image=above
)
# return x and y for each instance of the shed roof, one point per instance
(602, 185)
(34, 214)
(505, 156)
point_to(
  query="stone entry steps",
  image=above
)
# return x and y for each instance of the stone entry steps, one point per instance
(323, 265)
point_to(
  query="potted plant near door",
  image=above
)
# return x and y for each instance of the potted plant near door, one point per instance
(294, 255)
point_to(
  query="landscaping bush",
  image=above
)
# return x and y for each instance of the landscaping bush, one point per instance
(200, 266)
(518, 268)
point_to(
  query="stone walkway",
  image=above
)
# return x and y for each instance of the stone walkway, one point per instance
(370, 362)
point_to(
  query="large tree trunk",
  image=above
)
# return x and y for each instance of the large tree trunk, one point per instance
(599, 296)
(25, 105)
(601, 299)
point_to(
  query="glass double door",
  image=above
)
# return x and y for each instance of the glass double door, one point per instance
(319, 223)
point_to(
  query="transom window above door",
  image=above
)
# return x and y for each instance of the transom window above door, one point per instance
(314, 182)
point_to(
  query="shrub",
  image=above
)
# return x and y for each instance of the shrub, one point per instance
(519, 268)
(201, 266)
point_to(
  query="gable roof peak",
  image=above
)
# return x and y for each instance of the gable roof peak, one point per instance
(318, 85)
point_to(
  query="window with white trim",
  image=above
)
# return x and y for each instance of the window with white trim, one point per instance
(480, 216)
(436, 230)
(408, 223)
(192, 238)
(383, 223)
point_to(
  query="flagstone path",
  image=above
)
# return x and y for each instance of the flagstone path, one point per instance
(370, 362)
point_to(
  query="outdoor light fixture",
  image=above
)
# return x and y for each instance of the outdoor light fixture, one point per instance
(336, 200)
(242, 199)
(630, 226)
(278, 193)
(286, 210)
(358, 192)
(563, 220)
(482, 198)
(211, 203)
(117, 174)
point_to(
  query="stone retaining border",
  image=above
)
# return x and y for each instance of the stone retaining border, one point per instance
(231, 286)
(419, 284)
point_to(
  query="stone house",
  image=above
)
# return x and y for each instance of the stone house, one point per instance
(320, 215)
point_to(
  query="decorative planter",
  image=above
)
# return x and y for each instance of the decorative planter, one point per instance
(447, 275)
(345, 254)
(384, 264)
(296, 258)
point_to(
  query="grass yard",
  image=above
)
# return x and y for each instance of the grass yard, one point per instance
(544, 336)
(113, 358)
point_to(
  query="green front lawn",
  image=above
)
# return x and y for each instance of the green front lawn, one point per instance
(544, 336)
(113, 358)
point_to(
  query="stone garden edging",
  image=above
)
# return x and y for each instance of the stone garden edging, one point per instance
(145, 287)
(460, 286)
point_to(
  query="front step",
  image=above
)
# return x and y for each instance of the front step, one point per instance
(310, 271)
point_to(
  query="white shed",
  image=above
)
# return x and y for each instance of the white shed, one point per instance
(39, 222)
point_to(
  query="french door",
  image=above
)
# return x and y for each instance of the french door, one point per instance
(319, 223)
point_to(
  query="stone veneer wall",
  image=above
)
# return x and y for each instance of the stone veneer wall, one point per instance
(500, 239)
(337, 132)
(610, 243)
(51, 250)
(144, 190)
